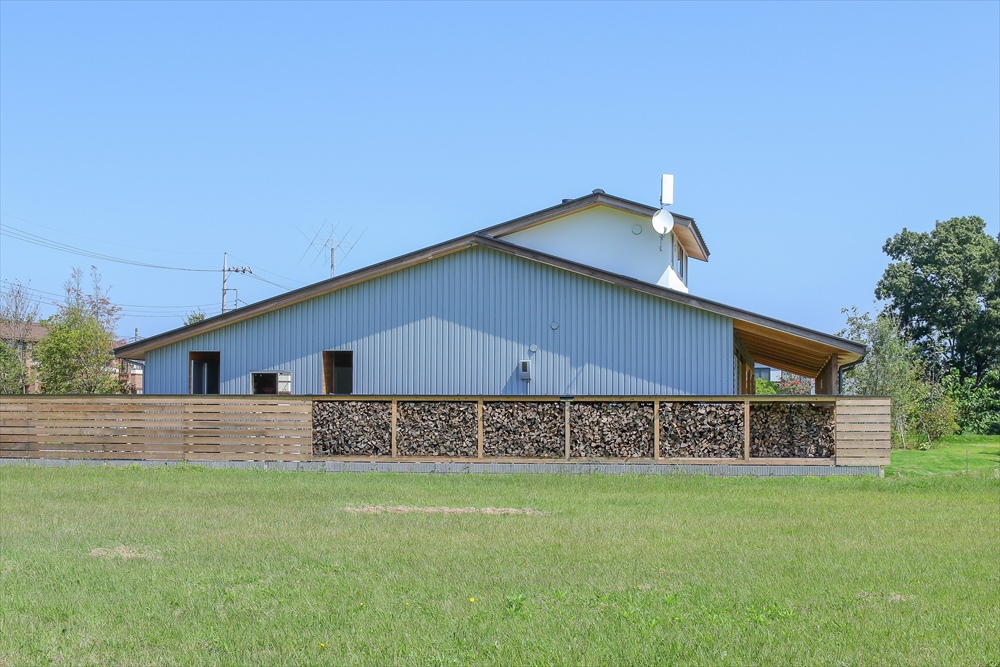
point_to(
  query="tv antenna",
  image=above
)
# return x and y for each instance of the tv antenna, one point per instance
(662, 221)
(333, 244)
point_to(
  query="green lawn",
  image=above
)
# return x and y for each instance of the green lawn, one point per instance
(980, 452)
(192, 566)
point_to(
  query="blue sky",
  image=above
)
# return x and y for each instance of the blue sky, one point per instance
(801, 136)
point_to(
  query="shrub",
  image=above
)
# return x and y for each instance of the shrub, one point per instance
(978, 405)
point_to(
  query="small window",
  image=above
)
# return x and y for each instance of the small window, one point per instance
(338, 372)
(271, 382)
(204, 372)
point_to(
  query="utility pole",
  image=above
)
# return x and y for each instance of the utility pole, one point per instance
(226, 270)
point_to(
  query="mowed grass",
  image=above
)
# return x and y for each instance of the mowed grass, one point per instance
(241, 567)
(956, 454)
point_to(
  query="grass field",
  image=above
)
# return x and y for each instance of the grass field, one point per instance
(955, 455)
(117, 566)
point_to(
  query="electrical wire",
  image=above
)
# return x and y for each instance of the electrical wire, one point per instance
(28, 237)
(123, 245)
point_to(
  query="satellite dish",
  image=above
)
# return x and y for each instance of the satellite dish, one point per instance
(663, 222)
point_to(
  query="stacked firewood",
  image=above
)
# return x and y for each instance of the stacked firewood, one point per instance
(352, 428)
(430, 428)
(524, 430)
(614, 430)
(701, 430)
(785, 430)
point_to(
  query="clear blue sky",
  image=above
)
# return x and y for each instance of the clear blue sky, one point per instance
(801, 135)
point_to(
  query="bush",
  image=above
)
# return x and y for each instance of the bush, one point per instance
(937, 417)
(765, 387)
(978, 405)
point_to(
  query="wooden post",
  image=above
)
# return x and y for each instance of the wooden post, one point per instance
(392, 437)
(656, 430)
(567, 430)
(746, 430)
(479, 427)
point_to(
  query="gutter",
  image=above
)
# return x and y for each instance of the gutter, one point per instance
(847, 367)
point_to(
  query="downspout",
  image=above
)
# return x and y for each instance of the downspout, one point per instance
(847, 367)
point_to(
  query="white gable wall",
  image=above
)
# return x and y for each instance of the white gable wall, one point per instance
(605, 238)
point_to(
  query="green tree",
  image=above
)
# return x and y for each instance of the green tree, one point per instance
(765, 387)
(891, 368)
(18, 316)
(194, 317)
(75, 356)
(944, 289)
(12, 370)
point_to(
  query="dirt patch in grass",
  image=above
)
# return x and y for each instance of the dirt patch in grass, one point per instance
(407, 509)
(123, 552)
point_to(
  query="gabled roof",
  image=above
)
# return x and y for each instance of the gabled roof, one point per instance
(31, 333)
(685, 228)
(781, 344)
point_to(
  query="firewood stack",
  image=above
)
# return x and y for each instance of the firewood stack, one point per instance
(429, 428)
(615, 430)
(352, 428)
(701, 430)
(792, 430)
(524, 430)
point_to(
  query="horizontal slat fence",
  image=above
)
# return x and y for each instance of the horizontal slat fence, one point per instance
(863, 431)
(186, 428)
(494, 428)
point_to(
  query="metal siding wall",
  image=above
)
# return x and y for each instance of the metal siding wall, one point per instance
(459, 324)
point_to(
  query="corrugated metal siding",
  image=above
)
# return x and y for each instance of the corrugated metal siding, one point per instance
(459, 324)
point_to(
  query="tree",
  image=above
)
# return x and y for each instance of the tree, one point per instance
(765, 387)
(944, 289)
(75, 356)
(194, 317)
(18, 316)
(891, 368)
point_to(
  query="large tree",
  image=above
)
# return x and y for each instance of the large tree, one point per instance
(890, 367)
(75, 356)
(944, 288)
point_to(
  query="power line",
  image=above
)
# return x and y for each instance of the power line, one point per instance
(122, 245)
(131, 305)
(28, 237)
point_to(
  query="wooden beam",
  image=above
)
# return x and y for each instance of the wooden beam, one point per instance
(656, 429)
(479, 428)
(392, 437)
(746, 430)
(567, 430)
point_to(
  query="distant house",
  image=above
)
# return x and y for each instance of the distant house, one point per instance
(583, 298)
(22, 337)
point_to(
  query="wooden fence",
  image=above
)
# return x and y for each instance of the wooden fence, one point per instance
(155, 428)
(256, 428)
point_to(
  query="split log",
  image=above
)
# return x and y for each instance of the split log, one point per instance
(701, 430)
(430, 428)
(614, 430)
(352, 428)
(526, 430)
(792, 430)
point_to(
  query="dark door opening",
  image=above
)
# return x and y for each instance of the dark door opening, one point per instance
(338, 372)
(204, 372)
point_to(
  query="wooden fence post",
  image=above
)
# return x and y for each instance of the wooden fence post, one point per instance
(392, 436)
(479, 428)
(566, 404)
(746, 429)
(656, 430)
